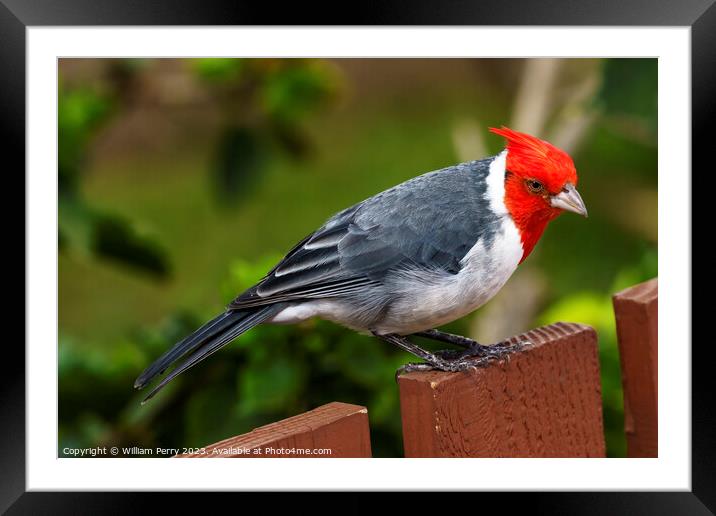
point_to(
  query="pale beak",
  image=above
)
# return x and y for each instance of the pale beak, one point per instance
(570, 200)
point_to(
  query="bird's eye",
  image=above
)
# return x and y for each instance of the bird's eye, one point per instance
(535, 186)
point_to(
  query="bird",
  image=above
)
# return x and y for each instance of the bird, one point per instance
(407, 260)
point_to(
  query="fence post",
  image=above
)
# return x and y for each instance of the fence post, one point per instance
(339, 427)
(543, 401)
(636, 313)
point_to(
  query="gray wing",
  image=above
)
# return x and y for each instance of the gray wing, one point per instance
(429, 222)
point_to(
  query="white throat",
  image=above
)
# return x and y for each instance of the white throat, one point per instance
(496, 183)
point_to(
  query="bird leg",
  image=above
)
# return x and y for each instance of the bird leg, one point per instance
(404, 344)
(450, 338)
(472, 348)
(450, 360)
(413, 366)
(492, 352)
(433, 360)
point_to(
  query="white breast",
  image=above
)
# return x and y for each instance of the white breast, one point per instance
(432, 299)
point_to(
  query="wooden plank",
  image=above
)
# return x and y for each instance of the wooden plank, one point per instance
(636, 313)
(542, 401)
(339, 427)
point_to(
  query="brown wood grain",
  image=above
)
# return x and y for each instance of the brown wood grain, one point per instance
(542, 401)
(636, 313)
(340, 427)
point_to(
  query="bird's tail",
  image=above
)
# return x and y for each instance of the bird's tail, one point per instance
(208, 339)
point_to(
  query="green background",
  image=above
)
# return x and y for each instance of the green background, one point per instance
(181, 182)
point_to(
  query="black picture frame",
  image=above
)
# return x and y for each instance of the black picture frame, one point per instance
(17, 15)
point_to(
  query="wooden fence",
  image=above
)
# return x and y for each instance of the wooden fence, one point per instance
(542, 401)
(332, 430)
(636, 315)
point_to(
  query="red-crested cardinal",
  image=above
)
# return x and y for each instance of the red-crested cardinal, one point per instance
(414, 257)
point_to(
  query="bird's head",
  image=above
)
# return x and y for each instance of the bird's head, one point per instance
(540, 183)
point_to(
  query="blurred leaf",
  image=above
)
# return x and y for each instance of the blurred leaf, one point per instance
(207, 418)
(79, 114)
(291, 140)
(270, 383)
(644, 270)
(384, 406)
(244, 274)
(314, 343)
(586, 307)
(173, 328)
(218, 70)
(91, 234)
(75, 224)
(363, 362)
(240, 157)
(96, 379)
(118, 240)
(299, 89)
(122, 75)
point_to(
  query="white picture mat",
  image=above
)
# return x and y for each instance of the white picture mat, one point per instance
(672, 470)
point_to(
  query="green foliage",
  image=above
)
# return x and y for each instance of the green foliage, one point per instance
(292, 92)
(241, 152)
(629, 97)
(630, 87)
(264, 105)
(81, 113)
(243, 274)
(95, 235)
(270, 381)
(240, 155)
(116, 239)
(219, 70)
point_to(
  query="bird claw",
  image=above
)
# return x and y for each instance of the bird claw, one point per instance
(454, 361)
(494, 351)
(413, 366)
(505, 349)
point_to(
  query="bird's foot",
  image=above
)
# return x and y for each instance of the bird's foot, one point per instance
(493, 351)
(413, 366)
(452, 366)
(450, 338)
(469, 359)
